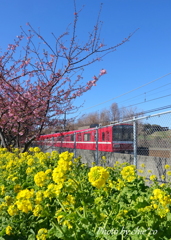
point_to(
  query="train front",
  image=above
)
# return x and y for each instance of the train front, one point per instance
(122, 138)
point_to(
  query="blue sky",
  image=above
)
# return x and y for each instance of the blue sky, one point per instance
(146, 57)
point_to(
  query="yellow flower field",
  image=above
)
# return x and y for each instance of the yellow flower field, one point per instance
(54, 196)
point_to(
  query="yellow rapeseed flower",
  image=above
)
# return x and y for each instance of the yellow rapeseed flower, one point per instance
(40, 178)
(163, 185)
(12, 210)
(48, 171)
(98, 200)
(25, 194)
(153, 177)
(36, 149)
(29, 170)
(160, 200)
(142, 165)
(98, 176)
(37, 210)
(71, 199)
(8, 230)
(167, 166)
(42, 233)
(120, 184)
(14, 179)
(31, 149)
(162, 177)
(2, 190)
(128, 173)
(24, 206)
(39, 197)
(169, 173)
(140, 171)
(67, 223)
(30, 161)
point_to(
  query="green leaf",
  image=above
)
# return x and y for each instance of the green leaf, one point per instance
(137, 237)
(151, 222)
(56, 231)
(169, 217)
(31, 237)
(1, 238)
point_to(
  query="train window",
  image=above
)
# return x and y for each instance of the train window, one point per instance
(72, 137)
(123, 133)
(87, 137)
(103, 136)
(79, 137)
(117, 136)
(107, 136)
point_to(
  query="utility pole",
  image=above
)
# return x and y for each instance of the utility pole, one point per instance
(135, 141)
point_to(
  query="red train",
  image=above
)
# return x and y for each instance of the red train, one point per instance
(114, 138)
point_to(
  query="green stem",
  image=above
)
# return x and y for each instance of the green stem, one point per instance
(95, 228)
(75, 181)
(61, 205)
(78, 213)
(59, 228)
(107, 220)
(84, 209)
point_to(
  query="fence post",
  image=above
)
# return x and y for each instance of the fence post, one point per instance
(97, 156)
(135, 141)
(53, 143)
(75, 145)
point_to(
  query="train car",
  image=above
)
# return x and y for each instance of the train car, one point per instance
(114, 138)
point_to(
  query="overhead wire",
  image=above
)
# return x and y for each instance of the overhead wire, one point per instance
(145, 93)
(148, 101)
(138, 96)
(126, 92)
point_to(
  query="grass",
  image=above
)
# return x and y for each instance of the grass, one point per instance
(161, 134)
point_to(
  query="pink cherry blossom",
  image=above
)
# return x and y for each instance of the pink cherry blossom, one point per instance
(102, 72)
(39, 84)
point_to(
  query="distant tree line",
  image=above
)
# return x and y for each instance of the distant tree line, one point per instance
(151, 128)
(105, 116)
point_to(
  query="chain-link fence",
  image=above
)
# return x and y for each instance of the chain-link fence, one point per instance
(147, 136)
(140, 140)
(154, 135)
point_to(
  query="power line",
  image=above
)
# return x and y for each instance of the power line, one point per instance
(146, 93)
(127, 92)
(148, 101)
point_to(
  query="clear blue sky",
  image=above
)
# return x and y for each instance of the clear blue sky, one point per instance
(146, 57)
